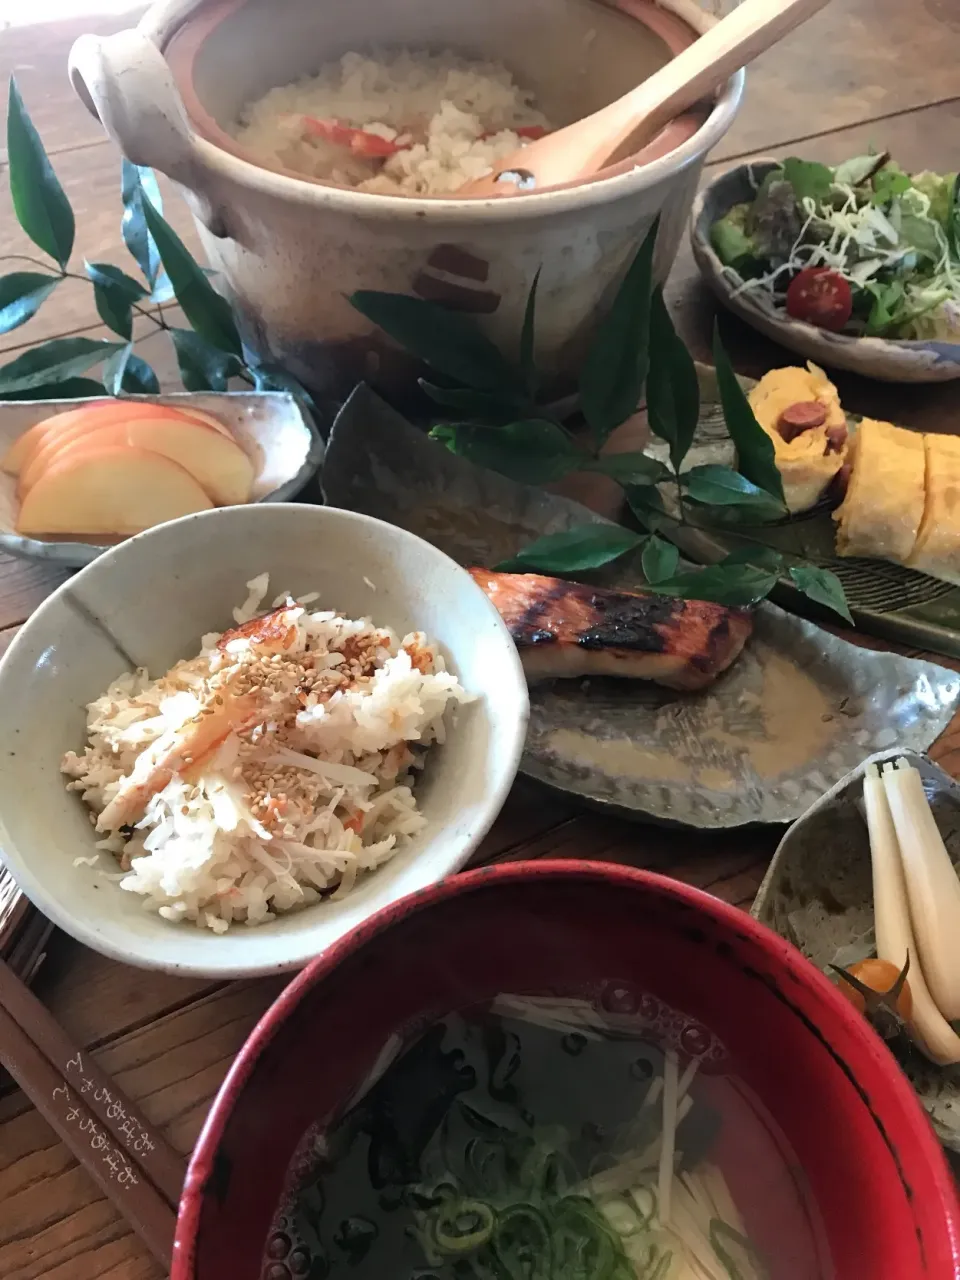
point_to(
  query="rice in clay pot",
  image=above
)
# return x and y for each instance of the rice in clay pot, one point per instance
(294, 230)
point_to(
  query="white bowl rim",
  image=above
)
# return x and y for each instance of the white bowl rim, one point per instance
(509, 748)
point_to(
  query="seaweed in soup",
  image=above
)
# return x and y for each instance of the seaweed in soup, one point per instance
(494, 1148)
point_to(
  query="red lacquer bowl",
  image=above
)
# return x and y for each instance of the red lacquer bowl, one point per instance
(874, 1168)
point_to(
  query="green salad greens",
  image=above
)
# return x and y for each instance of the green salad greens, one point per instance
(863, 248)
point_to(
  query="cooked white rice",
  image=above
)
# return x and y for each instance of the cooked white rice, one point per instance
(459, 115)
(270, 771)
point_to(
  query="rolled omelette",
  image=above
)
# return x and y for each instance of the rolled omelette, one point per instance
(884, 506)
(807, 458)
(937, 548)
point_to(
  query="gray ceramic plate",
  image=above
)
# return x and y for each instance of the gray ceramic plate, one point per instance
(795, 713)
(818, 894)
(888, 360)
(271, 426)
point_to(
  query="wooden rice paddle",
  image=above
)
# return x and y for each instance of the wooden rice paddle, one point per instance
(621, 129)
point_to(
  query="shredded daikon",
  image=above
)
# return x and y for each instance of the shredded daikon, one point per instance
(669, 1142)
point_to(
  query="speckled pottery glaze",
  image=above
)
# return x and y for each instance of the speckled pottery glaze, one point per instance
(886, 359)
(292, 250)
(818, 893)
(797, 710)
(146, 603)
(271, 427)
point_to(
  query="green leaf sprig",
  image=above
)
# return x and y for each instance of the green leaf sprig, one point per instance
(209, 353)
(494, 417)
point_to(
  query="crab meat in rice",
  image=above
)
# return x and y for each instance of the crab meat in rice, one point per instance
(272, 769)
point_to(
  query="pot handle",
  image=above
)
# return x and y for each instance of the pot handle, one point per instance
(125, 82)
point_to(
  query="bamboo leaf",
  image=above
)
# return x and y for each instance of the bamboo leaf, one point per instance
(532, 452)
(203, 367)
(39, 201)
(21, 294)
(755, 454)
(587, 546)
(115, 278)
(163, 290)
(613, 373)
(719, 486)
(630, 468)
(137, 184)
(489, 407)
(448, 341)
(646, 503)
(736, 585)
(673, 392)
(208, 311)
(114, 369)
(528, 368)
(759, 556)
(115, 312)
(127, 374)
(139, 379)
(115, 294)
(659, 560)
(823, 587)
(59, 360)
(69, 389)
(266, 378)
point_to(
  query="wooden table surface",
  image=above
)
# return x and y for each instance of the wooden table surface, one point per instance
(861, 72)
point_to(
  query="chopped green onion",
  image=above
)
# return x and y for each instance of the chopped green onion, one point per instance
(463, 1226)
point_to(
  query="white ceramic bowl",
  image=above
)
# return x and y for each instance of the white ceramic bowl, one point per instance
(886, 359)
(271, 427)
(146, 603)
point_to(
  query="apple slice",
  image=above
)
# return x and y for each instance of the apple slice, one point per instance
(207, 419)
(92, 417)
(114, 490)
(217, 463)
(23, 446)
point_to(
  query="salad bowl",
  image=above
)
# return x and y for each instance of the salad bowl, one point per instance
(887, 359)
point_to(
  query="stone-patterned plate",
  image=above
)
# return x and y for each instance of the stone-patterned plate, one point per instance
(818, 893)
(797, 711)
(886, 359)
(271, 427)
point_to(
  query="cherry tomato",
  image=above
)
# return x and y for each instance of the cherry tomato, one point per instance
(821, 297)
(359, 141)
(890, 991)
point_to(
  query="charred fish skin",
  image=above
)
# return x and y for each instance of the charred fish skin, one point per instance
(571, 629)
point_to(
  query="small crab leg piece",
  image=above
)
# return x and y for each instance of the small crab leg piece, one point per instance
(274, 631)
(358, 141)
(175, 750)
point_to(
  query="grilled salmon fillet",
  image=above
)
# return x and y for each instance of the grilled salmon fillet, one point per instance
(567, 629)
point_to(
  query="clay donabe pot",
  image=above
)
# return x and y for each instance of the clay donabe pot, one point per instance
(292, 250)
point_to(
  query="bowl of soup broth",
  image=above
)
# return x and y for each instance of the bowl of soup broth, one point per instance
(565, 1071)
